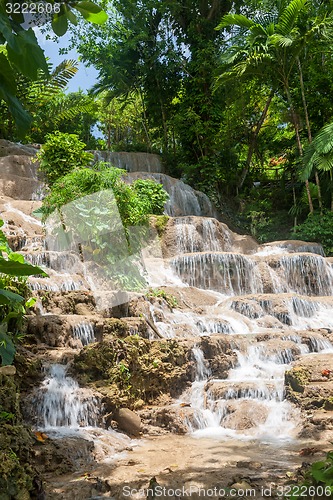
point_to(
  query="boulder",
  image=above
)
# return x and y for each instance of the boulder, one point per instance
(128, 421)
(7, 370)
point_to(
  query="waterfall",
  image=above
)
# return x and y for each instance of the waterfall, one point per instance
(63, 403)
(258, 306)
(228, 273)
(84, 332)
(307, 274)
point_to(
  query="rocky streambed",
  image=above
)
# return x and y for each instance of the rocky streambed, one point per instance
(218, 375)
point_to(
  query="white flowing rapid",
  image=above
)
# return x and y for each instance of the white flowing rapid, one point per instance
(259, 306)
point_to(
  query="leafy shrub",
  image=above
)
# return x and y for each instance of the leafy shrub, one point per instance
(317, 228)
(135, 203)
(159, 293)
(152, 195)
(13, 297)
(60, 154)
(318, 480)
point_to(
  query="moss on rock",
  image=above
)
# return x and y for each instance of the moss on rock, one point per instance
(297, 378)
(16, 473)
(132, 369)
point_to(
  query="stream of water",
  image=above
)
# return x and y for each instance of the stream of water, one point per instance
(258, 298)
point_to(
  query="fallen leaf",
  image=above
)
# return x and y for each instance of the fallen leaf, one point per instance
(40, 436)
(304, 452)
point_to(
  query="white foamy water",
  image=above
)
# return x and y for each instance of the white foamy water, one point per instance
(85, 332)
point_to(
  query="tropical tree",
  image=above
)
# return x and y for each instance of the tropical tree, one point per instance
(269, 46)
(13, 296)
(20, 51)
(318, 156)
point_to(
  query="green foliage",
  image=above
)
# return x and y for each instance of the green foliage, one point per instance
(14, 297)
(317, 228)
(135, 203)
(159, 293)
(23, 53)
(160, 222)
(60, 154)
(317, 478)
(151, 194)
(6, 416)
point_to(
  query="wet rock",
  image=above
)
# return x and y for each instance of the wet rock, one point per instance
(53, 330)
(169, 418)
(195, 234)
(128, 421)
(219, 354)
(309, 385)
(242, 415)
(249, 465)
(7, 370)
(74, 302)
(129, 369)
(296, 246)
(241, 486)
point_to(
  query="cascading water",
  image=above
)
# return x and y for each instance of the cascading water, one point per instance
(63, 404)
(250, 402)
(259, 299)
(84, 332)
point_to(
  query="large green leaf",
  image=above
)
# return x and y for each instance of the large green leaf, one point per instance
(25, 53)
(17, 269)
(7, 93)
(91, 12)
(7, 349)
(5, 27)
(6, 297)
(235, 20)
(21, 116)
(289, 16)
(60, 24)
(7, 81)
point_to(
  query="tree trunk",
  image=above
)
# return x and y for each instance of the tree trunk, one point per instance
(253, 141)
(308, 127)
(298, 140)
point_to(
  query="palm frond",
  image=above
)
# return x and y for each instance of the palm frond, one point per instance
(319, 154)
(325, 162)
(258, 31)
(266, 18)
(63, 73)
(309, 161)
(281, 40)
(65, 111)
(323, 142)
(235, 20)
(289, 16)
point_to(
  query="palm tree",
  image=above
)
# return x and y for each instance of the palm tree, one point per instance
(269, 46)
(318, 155)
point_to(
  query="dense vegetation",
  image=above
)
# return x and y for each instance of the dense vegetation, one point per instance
(236, 97)
(14, 297)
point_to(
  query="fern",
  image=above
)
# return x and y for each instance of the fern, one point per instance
(289, 16)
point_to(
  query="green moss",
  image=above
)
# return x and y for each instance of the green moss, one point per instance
(16, 473)
(297, 378)
(132, 369)
(116, 327)
(159, 293)
(159, 222)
